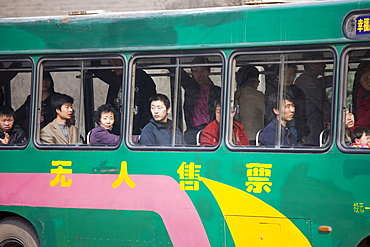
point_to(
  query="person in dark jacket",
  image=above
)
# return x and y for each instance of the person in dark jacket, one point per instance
(269, 133)
(200, 96)
(298, 126)
(22, 114)
(6, 77)
(101, 135)
(317, 102)
(144, 89)
(159, 130)
(10, 134)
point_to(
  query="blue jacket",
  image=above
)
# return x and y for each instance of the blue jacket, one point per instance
(158, 133)
(268, 135)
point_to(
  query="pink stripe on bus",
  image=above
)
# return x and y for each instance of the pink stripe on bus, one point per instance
(160, 194)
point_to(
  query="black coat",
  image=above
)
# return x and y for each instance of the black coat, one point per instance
(17, 136)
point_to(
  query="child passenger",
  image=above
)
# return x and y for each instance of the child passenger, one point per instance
(10, 133)
(349, 126)
(360, 137)
(104, 117)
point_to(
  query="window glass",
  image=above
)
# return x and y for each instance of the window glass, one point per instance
(174, 100)
(81, 101)
(356, 120)
(281, 99)
(15, 88)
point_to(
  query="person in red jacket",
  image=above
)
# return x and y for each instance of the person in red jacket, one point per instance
(362, 99)
(211, 133)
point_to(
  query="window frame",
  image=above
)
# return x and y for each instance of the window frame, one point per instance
(129, 90)
(29, 60)
(37, 98)
(279, 50)
(343, 95)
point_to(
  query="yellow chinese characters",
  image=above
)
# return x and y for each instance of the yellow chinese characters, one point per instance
(189, 175)
(123, 176)
(60, 172)
(258, 177)
(363, 24)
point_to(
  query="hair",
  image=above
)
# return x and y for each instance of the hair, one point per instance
(104, 108)
(358, 132)
(47, 75)
(162, 98)
(6, 111)
(273, 101)
(312, 56)
(245, 74)
(202, 60)
(289, 65)
(59, 99)
(217, 103)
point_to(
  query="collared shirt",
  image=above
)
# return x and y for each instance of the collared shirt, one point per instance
(64, 129)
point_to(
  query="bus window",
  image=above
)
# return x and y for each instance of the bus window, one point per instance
(356, 121)
(288, 89)
(81, 101)
(192, 84)
(15, 88)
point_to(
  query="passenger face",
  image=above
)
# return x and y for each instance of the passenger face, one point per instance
(107, 120)
(256, 83)
(200, 75)
(288, 110)
(46, 82)
(364, 140)
(116, 62)
(365, 80)
(289, 75)
(218, 114)
(6, 123)
(65, 112)
(350, 120)
(320, 68)
(159, 111)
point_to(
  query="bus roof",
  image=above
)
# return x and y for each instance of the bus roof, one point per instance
(222, 27)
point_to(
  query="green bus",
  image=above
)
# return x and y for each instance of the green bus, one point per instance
(267, 100)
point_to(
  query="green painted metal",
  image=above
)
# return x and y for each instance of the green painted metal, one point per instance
(220, 27)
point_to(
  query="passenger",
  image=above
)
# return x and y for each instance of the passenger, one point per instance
(9, 132)
(159, 130)
(360, 137)
(211, 133)
(361, 92)
(298, 126)
(200, 96)
(269, 133)
(144, 89)
(104, 117)
(317, 103)
(251, 101)
(349, 126)
(22, 115)
(59, 131)
(6, 77)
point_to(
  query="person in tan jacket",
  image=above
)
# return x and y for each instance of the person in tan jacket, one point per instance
(60, 130)
(251, 101)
